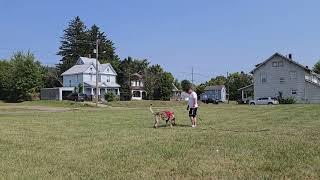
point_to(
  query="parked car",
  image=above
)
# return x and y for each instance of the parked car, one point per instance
(207, 100)
(264, 101)
(79, 97)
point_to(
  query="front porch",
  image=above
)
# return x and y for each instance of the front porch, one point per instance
(138, 94)
(246, 94)
(90, 90)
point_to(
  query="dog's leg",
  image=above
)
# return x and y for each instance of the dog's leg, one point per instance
(156, 123)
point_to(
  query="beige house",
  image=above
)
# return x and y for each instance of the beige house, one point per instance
(282, 76)
(137, 87)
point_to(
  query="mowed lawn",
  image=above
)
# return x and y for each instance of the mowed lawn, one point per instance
(65, 141)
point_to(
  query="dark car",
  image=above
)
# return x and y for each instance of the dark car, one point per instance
(206, 99)
(76, 97)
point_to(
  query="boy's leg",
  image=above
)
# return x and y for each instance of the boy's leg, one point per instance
(195, 116)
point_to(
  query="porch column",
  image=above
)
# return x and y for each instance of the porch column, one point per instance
(92, 92)
(242, 94)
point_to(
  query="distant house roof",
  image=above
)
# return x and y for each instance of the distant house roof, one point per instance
(85, 60)
(84, 63)
(137, 75)
(76, 69)
(282, 56)
(246, 87)
(216, 87)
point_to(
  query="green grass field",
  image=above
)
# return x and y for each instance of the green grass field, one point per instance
(45, 140)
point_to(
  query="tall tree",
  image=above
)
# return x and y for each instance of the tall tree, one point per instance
(73, 44)
(316, 67)
(106, 51)
(166, 86)
(152, 84)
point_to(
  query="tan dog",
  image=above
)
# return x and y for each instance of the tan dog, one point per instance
(163, 115)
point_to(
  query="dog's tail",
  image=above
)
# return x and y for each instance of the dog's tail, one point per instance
(151, 110)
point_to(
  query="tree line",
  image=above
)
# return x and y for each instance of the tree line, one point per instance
(22, 76)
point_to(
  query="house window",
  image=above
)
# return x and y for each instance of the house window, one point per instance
(282, 80)
(77, 78)
(263, 78)
(280, 63)
(70, 83)
(108, 78)
(274, 64)
(91, 77)
(294, 92)
(108, 69)
(293, 75)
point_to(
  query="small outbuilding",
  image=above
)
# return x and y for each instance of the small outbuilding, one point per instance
(217, 92)
(56, 93)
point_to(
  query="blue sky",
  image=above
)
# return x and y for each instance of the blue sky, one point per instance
(212, 36)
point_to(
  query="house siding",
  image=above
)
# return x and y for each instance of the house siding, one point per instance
(312, 93)
(217, 94)
(72, 80)
(273, 85)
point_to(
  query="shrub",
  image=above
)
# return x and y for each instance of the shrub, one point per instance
(289, 100)
(109, 97)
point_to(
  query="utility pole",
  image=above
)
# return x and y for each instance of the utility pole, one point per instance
(228, 87)
(97, 72)
(192, 75)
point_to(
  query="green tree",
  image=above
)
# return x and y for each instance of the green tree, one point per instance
(237, 80)
(152, 81)
(200, 88)
(26, 77)
(106, 51)
(219, 80)
(51, 77)
(73, 44)
(166, 86)
(127, 68)
(5, 68)
(316, 67)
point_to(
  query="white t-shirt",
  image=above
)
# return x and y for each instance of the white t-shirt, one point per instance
(193, 100)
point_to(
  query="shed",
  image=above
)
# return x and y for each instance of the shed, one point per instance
(56, 93)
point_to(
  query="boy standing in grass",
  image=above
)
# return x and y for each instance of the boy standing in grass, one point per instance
(192, 106)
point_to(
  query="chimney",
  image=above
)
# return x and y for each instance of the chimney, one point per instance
(290, 56)
(89, 55)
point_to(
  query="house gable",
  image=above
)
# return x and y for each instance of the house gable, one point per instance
(107, 69)
(85, 60)
(282, 57)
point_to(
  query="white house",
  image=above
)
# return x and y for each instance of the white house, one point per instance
(282, 76)
(217, 92)
(84, 72)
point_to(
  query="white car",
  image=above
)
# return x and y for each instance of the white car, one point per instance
(264, 101)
